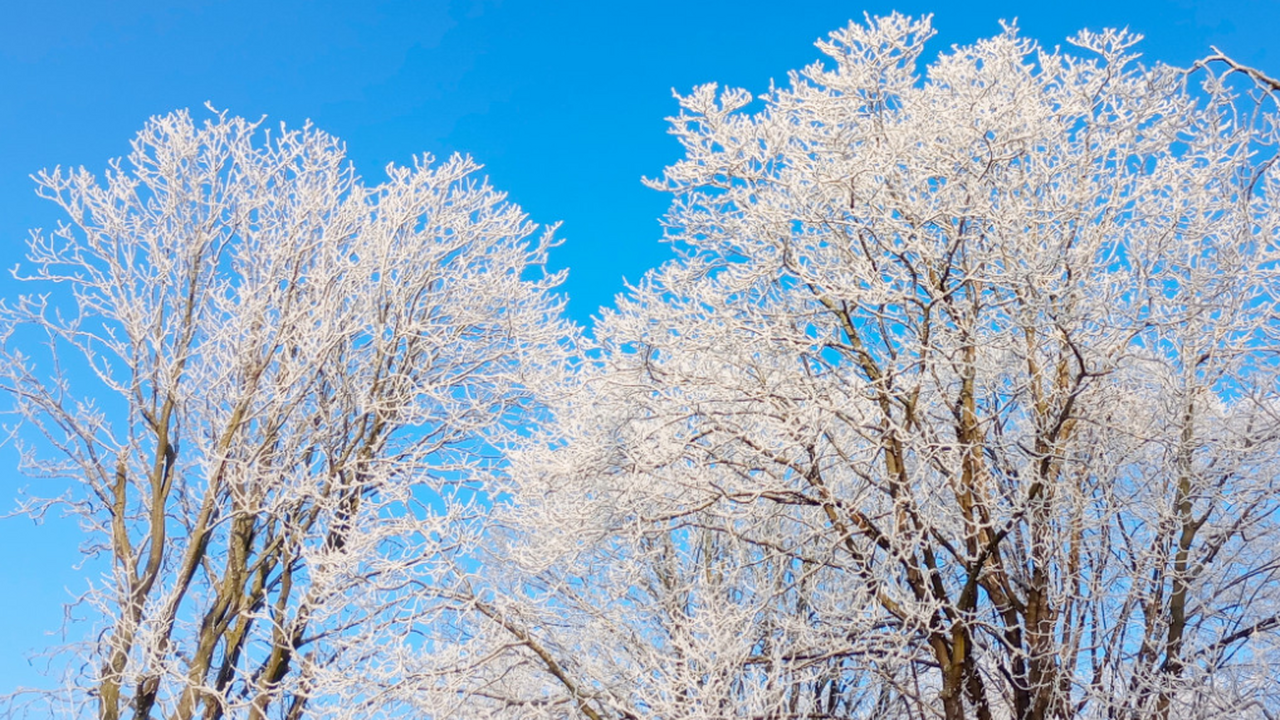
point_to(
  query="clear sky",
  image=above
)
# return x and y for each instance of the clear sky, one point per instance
(562, 101)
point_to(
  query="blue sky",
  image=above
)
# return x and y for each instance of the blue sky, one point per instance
(563, 103)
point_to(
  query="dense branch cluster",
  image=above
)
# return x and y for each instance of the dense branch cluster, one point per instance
(961, 400)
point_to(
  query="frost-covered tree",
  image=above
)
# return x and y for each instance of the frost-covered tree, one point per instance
(960, 401)
(273, 389)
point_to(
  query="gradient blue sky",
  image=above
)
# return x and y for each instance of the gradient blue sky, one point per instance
(563, 103)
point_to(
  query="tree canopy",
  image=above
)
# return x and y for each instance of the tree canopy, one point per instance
(959, 400)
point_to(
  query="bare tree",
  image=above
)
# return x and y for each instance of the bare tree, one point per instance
(959, 402)
(276, 390)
